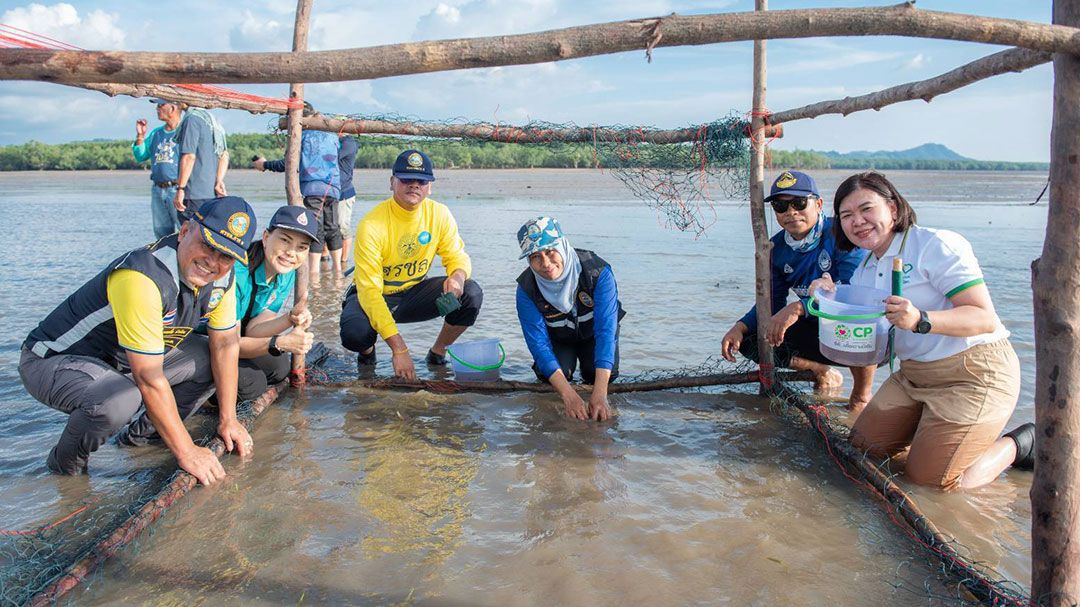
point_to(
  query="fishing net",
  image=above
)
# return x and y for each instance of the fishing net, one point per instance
(681, 173)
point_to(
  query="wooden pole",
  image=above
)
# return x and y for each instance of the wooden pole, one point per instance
(292, 167)
(538, 47)
(762, 244)
(517, 134)
(1055, 492)
(1012, 60)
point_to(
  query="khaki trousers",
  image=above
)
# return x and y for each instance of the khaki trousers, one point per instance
(947, 411)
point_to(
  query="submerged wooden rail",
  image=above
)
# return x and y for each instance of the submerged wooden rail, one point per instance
(955, 565)
(449, 387)
(539, 47)
(181, 483)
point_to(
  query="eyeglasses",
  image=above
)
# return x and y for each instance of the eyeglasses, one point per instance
(412, 181)
(781, 206)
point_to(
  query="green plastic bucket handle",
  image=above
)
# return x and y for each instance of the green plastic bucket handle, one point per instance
(813, 310)
(481, 367)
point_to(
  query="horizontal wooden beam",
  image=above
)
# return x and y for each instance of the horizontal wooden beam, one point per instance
(540, 47)
(510, 133)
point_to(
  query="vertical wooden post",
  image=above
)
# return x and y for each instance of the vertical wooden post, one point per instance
(762, 244)
(1055, 493)
(292, 167)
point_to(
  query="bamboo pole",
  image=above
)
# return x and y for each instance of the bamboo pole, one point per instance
(1055, 492)
(1012, 60)
(292, 169)
(762, 244)
(540, 47)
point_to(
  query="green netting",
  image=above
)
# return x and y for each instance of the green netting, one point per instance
(682, 173)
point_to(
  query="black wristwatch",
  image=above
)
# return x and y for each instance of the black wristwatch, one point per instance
(923, 326)
(273, 349)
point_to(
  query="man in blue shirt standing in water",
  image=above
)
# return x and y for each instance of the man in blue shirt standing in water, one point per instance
(159, 147)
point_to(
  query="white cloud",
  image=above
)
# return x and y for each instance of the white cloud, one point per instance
(487, 18)
(449, 14)
(63, 113)
(255, 34)
(345, 98)
(919, 61)
(97, 30)
(545, 91)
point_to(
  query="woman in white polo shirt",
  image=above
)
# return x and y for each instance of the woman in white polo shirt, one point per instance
(959, 378)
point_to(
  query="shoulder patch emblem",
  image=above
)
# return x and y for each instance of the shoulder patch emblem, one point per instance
(585, 300)
(169, 317)
(215, 298)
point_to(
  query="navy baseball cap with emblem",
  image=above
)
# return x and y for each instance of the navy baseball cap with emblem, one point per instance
(793, 183)
(414, 164)
(298, 219)
(228, 225)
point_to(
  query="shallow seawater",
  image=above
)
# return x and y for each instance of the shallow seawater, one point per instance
(363, 497)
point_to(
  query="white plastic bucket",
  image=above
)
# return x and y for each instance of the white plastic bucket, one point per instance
(477, 360)
(852, 329)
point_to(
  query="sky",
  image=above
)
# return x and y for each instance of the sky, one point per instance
(1005, 118)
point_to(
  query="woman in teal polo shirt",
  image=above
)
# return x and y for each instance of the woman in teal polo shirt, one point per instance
(262, 289)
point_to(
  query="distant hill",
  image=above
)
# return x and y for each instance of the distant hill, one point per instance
(926, 151)
(929, 156)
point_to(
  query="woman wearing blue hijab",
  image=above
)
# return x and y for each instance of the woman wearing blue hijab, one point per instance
(568, 306)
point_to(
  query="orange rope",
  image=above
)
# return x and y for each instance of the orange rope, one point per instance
(9, 532)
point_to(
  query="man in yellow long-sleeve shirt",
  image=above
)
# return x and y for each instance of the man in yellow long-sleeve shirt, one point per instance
(394, 247)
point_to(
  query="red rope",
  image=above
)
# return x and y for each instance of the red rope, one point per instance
(20, 38)
(9, 532)
(39, 40)
(765, 114)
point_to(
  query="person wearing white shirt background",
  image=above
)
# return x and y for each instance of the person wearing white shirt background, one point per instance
(959, 377)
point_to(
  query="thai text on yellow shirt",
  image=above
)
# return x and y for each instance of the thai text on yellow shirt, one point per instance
(394, 249)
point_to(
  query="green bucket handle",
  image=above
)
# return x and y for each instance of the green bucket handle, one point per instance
(813, 310)
(481, 367)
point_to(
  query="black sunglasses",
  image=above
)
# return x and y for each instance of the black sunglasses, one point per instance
(412, 181)
(781, 206)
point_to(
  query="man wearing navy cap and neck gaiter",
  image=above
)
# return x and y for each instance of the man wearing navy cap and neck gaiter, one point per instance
(126, 338)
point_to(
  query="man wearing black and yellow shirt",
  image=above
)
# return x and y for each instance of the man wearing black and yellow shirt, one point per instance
(125, 338)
